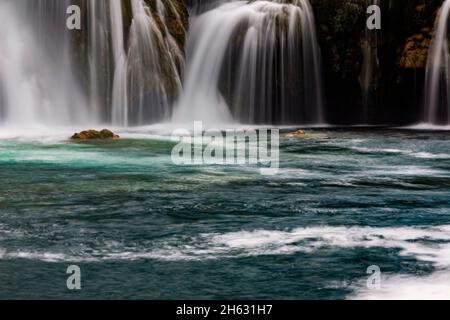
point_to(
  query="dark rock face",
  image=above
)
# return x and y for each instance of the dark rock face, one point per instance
(104, 134)
(402, 52)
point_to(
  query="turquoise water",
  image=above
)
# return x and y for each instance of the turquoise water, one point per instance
(140, 227)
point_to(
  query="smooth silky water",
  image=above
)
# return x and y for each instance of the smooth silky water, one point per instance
(141, 227)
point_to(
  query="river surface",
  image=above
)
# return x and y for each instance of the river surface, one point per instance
(140, 227)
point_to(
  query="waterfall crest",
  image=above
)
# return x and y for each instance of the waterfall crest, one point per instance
(437, 86)
(256, 62)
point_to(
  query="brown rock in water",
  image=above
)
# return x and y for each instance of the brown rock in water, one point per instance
(104, 134)
(296, 134)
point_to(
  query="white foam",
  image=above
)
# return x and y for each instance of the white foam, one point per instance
(428, 155)
(408, 171)
(433, 287)
(427, 126)
(44, 256)
(417, 154)
(427, 244)
(274, 242)
(159, 131)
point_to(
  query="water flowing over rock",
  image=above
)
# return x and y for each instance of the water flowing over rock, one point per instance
(124, 67)
(254, 62)
(437, 86)
(143, 76)
(36, 78)
(369, 75)
(199, 6)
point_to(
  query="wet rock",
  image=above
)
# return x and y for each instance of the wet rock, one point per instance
(177, 19)
(104, 134)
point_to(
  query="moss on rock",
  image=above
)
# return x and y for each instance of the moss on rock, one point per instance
(415, 51)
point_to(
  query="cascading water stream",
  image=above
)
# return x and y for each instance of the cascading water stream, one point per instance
(138, 83)
(124, 67)
(437, 86)
(255, 62)
(119, 91)
(199, 6)
(368, 77)
(155, 62)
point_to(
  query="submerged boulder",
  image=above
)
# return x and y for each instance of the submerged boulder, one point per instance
(104, 134)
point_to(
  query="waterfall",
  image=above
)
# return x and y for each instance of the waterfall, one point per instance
(369, 77)
(124, 67)
(142, 77)
(437, 86)
(254, 62)
(101, 67)
(36, 78)
(155, 62)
